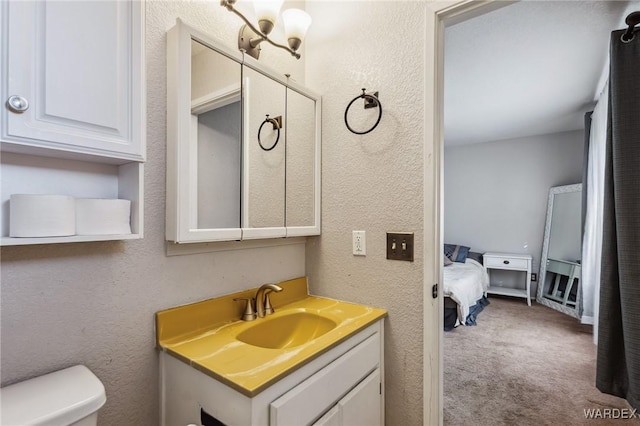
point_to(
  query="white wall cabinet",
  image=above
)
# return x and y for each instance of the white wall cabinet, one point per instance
(79, 66)
(231, 173)
(73, 104)
(343, 386)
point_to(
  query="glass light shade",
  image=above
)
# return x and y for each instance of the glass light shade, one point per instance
(267, 10)
(296, 23)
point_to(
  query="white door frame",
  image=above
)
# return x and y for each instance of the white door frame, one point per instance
(438, 15)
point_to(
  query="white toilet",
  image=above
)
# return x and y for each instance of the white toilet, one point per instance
(67, 397)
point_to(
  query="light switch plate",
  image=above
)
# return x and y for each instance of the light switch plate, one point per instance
(400, 246)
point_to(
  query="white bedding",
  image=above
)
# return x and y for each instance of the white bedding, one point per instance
(465, 283)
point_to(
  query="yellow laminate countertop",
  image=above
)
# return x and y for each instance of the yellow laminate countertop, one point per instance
(200, 335)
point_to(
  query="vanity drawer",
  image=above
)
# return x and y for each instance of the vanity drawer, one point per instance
(505, 262)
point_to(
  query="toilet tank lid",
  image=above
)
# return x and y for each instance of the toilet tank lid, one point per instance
(61, 397)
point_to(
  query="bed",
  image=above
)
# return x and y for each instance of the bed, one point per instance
(465, 284)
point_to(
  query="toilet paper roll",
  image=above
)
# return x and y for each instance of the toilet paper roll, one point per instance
(99, 216)
(32, 215)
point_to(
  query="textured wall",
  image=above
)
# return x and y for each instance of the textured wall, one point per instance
(93, 303)
(495, 193)
(373, 182)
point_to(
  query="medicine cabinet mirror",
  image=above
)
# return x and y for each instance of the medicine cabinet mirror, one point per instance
(559, 284)
(265, 143)
(302, 155)
(243, 146)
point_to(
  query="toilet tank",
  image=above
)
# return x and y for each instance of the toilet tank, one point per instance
(71, 396)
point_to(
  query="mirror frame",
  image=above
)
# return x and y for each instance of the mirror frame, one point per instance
(572, 312)
(181, 154)
(288, 231)
(181, 151)
(314, 228)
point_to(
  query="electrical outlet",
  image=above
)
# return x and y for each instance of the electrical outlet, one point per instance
(534, 277)
(359, 243)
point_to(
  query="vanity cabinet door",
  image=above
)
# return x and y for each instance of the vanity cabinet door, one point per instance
(79, 66)
(361, 406)
(332, 417)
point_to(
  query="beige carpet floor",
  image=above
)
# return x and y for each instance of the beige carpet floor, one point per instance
(523, 366)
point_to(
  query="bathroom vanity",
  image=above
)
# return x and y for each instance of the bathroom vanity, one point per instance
(300, 372)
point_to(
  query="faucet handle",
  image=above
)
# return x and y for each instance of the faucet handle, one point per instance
(249, 313)
(268, 309)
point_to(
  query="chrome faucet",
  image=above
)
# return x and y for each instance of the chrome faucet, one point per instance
(263, 304)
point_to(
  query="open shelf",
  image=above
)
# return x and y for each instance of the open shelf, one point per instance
(30, 174)
(9, 241)
(505, 291)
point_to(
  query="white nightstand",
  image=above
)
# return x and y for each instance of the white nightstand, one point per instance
(510, 262)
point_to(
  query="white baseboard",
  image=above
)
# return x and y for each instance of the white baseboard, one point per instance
(586, 319)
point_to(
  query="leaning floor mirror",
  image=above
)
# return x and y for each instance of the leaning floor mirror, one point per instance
(559, 285)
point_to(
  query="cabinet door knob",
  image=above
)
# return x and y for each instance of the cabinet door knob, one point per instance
(17, 104)
(506, 262)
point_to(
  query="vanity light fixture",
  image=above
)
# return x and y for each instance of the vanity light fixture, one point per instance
(296, 23)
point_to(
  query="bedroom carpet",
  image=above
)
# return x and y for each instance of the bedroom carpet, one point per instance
(523, 366)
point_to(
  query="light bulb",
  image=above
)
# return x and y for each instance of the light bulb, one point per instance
(267, 13)
(296, 24)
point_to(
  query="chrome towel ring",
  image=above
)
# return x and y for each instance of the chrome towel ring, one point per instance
(277, 124)
(370, 101)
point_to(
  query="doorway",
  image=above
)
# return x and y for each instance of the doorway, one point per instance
(436, 22)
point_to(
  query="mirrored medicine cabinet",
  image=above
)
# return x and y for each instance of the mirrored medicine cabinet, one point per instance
(243, 146)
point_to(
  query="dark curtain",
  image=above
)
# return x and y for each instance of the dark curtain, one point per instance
(618, 366)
